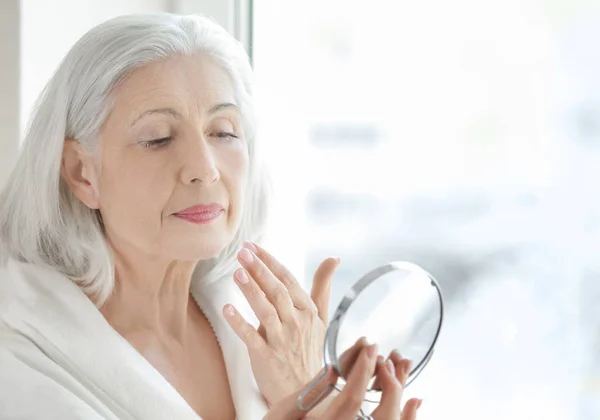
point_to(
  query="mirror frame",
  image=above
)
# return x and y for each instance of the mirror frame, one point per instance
(330, 347)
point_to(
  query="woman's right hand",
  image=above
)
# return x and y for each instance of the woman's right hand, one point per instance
(346, 405)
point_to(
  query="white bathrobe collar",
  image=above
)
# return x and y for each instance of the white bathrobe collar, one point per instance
(52, 312)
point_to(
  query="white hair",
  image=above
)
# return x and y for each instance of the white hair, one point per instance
(41, 221)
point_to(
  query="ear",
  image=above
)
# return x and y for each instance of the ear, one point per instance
(79, 172)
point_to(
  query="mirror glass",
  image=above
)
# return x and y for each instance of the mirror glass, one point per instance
(398, 306)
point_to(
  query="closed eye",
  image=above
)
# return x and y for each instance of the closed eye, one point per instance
(157, 143)
(225, 134)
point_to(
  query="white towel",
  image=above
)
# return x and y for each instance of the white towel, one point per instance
(60, 359)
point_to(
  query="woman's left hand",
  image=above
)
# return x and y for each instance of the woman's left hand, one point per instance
(286, 350)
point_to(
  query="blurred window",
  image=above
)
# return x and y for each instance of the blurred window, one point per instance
(463, 136)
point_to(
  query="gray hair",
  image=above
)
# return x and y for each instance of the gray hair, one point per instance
(41, 221)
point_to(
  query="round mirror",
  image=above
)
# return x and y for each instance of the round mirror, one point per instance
(399, 306)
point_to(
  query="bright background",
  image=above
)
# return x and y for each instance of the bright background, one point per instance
(463, 136)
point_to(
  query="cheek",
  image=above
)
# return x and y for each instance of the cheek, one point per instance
(236, 176)
(132, 196)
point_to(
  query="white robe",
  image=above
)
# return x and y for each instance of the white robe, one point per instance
(60, 359)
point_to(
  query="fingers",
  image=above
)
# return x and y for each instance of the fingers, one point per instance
(321, 287)
(348, 358)
(275, 291)
(393, 381)
(264, 310)
(350, 400)
(377, 382)
(410, 409)
(391, 397)
(244, 330)
(287, 408)
(299, 297)
(402, 366)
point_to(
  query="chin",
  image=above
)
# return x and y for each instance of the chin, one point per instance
(204, 248)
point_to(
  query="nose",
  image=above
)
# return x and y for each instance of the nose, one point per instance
(200, 165)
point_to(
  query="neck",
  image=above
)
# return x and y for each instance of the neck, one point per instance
(151, 298)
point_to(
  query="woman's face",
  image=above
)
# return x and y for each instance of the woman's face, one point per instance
(173, 161)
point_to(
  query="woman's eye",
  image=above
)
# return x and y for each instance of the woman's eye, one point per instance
(224, 135)
(158, 143)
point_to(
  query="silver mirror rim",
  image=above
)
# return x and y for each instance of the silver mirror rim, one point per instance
(330, 347)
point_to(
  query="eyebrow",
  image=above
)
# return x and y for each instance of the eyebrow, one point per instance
(221, 107)
(171, 112)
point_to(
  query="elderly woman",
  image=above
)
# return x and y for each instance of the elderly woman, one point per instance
(137, 194)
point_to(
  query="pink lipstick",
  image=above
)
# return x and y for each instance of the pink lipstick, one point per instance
(200, 214)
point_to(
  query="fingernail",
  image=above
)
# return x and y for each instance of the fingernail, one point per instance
(390, 368)
(379, 360)
(241, 276)
(419, 404)
(251, 246)
(246, 255)
(229, 310)
(407, 366)
(397, 352)
(372, 350)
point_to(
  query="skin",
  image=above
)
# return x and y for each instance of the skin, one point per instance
(152, 165)
(137, 186)
(363, 363)
(289, 340)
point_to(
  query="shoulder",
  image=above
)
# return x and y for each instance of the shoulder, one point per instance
(34, 388)
(32, 385)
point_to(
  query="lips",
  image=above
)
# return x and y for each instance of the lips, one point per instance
(200, 214)
(201, 208)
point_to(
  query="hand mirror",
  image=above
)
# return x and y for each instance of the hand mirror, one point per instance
(398, 306)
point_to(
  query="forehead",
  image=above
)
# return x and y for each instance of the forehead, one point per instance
(195, 81)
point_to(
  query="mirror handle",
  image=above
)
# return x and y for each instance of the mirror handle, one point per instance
(309, 388)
